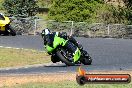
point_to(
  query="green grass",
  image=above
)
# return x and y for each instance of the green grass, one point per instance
(20, 57)
(70, 84)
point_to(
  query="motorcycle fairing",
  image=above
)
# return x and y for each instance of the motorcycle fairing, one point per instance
(3, 23)
(60, 41)
(2, 28)
(57, 41)
(76, 55)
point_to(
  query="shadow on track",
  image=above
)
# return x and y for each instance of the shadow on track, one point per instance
(63, 65)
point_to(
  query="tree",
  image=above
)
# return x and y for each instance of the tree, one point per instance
(91, 11)
(128, 10)
(43, 3)
(24, 8)
(75, 10)
(128, 3)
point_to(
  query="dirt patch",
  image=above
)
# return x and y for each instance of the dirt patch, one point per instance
(44, 78)
(12, 80)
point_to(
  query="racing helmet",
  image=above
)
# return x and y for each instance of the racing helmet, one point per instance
(45, 32)
(1, 14)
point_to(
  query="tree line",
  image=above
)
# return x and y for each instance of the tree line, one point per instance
(91, 11)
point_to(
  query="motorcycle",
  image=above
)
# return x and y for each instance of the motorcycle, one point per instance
(61, 53)
(5, 27)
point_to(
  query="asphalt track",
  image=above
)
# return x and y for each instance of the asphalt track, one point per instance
(107, 54)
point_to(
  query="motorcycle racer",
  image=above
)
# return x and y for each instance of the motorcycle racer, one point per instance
(70, 51)
(48, 38)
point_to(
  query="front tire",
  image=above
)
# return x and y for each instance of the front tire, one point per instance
(87, 60)
(63, 59)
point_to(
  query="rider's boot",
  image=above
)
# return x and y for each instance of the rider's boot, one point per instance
(75, 42)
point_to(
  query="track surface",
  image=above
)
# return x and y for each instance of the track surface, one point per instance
(107, 54)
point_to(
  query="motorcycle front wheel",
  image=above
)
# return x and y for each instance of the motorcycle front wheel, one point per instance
(87, 60)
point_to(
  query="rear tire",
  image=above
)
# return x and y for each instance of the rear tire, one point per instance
(6, 33)
(63, 59)
(54, 59)
(11, 31)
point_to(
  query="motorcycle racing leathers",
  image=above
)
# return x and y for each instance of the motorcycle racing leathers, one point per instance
(70, 45)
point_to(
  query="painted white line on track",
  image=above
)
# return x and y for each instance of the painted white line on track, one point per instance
(22, 67)
(31, 66)
(19, 48)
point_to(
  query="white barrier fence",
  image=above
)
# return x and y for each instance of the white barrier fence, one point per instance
(35, 26)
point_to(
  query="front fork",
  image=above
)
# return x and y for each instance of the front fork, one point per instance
(74, 50)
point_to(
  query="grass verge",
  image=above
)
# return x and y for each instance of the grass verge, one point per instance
(61, 80)
(21, 57)
(70, 84)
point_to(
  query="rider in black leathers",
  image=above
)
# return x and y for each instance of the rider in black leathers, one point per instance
(48, 38)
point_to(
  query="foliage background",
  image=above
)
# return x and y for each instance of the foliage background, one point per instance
(90, 11)
(21, 8)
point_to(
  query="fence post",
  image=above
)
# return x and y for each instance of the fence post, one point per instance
(71, 28)
(108, 31)
(35, 25)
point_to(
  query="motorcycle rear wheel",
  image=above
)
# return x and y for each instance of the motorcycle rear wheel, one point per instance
(54, 59)
(63, 59)
(11, 31)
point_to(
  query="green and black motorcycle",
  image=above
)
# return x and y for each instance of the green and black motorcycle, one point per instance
(59, 52)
